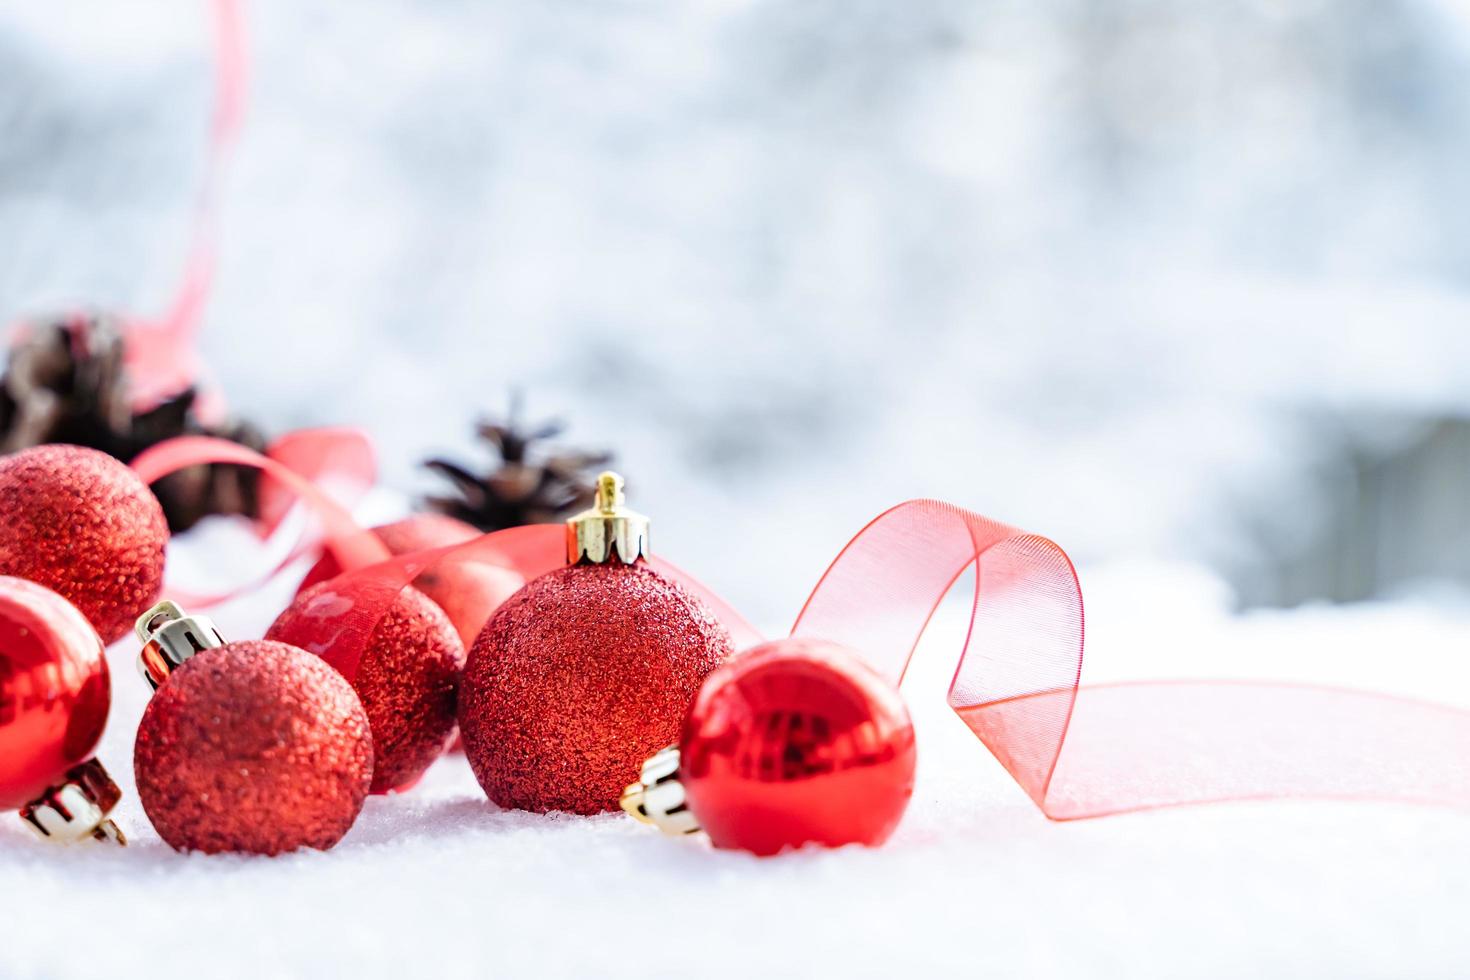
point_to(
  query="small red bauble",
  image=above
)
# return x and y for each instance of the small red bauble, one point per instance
(407, 675)
(586, 670)
(81, 523)
(253, 746)
(467, 591)
(577, 678)
(54, 690)
(795, 742)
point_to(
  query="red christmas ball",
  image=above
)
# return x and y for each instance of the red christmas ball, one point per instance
(467, 591)
(81, 523)
(794, 742)
(407, 675)
(577, 678)
(54, 690)
(253, 746)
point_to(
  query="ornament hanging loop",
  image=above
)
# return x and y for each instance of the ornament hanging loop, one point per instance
(78, 808)
(658, 798)
(609, 531)
(169, 638)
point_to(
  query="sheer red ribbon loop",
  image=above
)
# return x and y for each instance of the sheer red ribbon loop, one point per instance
(298, 465)
(1025, 639)
(329, 458)
(1090, 751)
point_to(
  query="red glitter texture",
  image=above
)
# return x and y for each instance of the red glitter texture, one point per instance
(254, 746)
(577, 679)
(407, 676)
(79, 522)
(467, 591)
(797, 741)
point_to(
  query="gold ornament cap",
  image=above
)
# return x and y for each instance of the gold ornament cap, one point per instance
(169, 637)
(608, 532)
(78, 808)
(658, 797)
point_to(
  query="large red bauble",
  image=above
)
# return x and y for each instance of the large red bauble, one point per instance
(81, 523)
(407, 675)
(794, 742)
(54, 690)
(579, 677)
(254, 746)
(467, 591)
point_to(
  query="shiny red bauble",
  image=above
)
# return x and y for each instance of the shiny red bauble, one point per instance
(579, 677)
(407, 675)
(467, 591)
(54, 690)
(256, 747)
(794, 742)
(79, 522)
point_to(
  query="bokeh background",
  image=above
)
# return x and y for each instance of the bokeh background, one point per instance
(1183, 285)
(1152, 277)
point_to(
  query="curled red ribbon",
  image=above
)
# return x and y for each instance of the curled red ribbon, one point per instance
(1087, 751)
(1076, 751)
(296, 466)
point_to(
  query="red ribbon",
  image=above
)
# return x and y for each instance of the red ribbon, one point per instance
(1076, 751)
(1095, 750)
(161, 354)
(296, 465)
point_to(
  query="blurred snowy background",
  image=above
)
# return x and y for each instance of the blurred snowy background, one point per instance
(1164, 278)
(1181, 285)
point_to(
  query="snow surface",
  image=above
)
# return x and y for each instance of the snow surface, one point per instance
(439, 882)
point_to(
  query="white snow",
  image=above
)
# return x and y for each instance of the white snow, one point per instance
(439, 882)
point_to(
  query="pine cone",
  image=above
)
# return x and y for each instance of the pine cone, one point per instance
(530, 485)
(65, 382)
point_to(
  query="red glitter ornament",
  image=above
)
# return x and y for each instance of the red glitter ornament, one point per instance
(253, 746)
(793, 742)
(79, 522)
(585, 671)
(467, 591)
(54, 698)
(407, 675)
